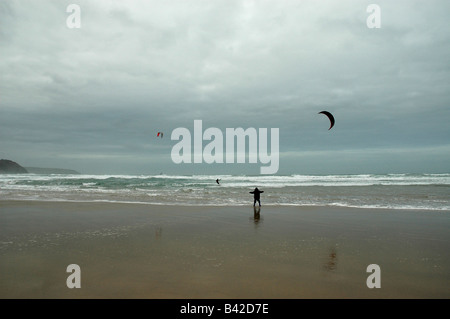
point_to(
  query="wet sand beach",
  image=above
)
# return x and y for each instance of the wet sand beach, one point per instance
(156, 251)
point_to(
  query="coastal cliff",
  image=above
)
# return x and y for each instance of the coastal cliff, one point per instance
(10, 167)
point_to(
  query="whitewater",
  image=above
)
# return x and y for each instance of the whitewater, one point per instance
(391, 191)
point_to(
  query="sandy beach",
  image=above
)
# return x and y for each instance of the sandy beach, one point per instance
(174, 252)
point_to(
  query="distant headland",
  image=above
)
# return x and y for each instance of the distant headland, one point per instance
(42, 170)
(11, 167)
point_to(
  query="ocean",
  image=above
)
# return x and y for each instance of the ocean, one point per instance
(391, 191)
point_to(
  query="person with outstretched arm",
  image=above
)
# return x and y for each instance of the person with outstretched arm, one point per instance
(256, 196)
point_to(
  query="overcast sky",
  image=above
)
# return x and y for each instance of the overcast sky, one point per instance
(93, 98)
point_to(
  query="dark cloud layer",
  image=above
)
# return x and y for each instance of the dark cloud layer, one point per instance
(93, 98)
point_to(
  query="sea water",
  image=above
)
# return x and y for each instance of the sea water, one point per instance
(393, 191)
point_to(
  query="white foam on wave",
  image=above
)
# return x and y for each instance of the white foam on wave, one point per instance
(293, 190)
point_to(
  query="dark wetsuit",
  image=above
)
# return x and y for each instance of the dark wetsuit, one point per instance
(256, 196)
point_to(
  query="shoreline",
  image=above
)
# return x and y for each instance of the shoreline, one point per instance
(218, 205)
(130, 250)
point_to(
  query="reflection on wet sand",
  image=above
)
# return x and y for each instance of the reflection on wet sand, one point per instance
(158, 232)
(256, 215)
(331, 263)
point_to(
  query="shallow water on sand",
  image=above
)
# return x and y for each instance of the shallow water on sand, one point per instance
(137, 251)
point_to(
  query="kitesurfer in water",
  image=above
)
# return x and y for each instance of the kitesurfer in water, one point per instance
(256, 196)
(217, 181)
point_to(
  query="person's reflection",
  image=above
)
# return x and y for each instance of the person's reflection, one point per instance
(256, 214)
(158, 232)
(331, 262)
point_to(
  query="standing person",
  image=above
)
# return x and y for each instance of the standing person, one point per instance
(256, 196)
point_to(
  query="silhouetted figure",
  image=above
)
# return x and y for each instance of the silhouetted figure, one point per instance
(217, 181)
(256, 196)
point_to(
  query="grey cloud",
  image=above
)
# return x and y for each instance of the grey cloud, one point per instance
(138, 67)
